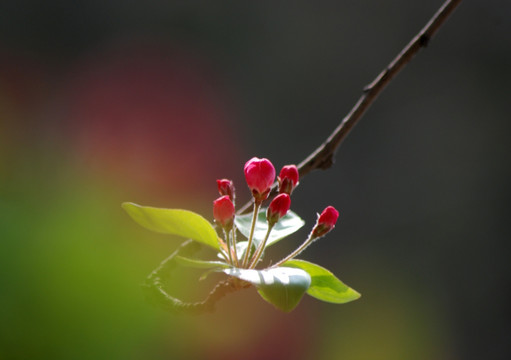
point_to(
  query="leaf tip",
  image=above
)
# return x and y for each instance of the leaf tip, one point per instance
(129, 206)
(126, 204)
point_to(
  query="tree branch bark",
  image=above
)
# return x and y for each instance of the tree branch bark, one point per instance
(323, 156)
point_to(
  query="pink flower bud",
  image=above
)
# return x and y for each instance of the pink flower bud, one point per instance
(288, 179)
(223, 211)
(278, 208)
(226, 187)
(326, 221)
(260, 175)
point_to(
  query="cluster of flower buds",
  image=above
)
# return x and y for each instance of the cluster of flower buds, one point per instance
(260, 176)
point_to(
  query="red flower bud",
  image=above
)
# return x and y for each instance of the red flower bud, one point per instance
(288, 179)
(260, 175)
(223, 211)
(278, 208)
(226, 187)
(326, 221)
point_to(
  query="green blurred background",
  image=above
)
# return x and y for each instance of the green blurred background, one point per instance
(109, 101)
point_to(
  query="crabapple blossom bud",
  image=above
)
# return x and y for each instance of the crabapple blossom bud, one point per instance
(223, 211)
(279, 207)
(226, 187)
(326, 222)
(288, 179)
(260, 175)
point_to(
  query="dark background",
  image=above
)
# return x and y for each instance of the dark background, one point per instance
(110, 101)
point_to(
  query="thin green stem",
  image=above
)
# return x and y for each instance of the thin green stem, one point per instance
(295, 253)
(260, 248)
(234, 246)
(249, 245)
(228, 242)
(224, 256)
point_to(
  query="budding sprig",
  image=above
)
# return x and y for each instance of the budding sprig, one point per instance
(282, 283)
(260, 176)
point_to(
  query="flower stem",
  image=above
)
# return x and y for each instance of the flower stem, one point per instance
(249, 245)
(228, 241)
(295, 253)
(260, 248)
(234, 246)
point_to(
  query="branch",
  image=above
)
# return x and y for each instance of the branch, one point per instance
(323, 156)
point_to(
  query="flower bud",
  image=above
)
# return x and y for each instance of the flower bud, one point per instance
(326, 222)
(260, 175)
(288, 179)
(279, 207)
(223, 211)
(226, 187)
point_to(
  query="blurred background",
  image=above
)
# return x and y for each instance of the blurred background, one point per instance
(109, 101)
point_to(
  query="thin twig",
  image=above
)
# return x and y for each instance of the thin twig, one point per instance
(155, 289)
(323, 156)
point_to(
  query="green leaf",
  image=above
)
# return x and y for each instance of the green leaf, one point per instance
(174, 221)
(282, 287)
(201, 264)
(324, 285)
(287, 225)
